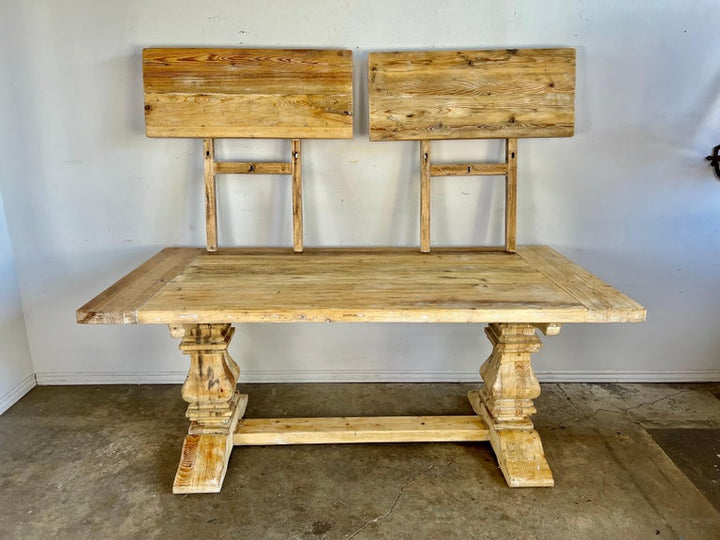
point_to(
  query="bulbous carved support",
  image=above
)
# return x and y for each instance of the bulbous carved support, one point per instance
(505, 402)
(510, 383)
(214, 406)
(209, 387)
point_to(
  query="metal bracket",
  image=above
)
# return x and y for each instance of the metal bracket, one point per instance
(714, 160)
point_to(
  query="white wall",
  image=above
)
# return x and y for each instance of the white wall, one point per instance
(630, 196)
(16, 370)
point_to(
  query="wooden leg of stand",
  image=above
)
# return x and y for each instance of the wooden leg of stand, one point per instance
(505, 403)
(214, 407)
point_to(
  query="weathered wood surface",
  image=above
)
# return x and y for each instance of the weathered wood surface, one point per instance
(417, 95)
(214, 407)
(270, 93)
(468, 169)
(119, 303)
(505, 403)
(425, 176)
(210, 194)
(187, 285)
(507, 169)
(511, 195)
(297, 204)
(252, 167)
(366, 429)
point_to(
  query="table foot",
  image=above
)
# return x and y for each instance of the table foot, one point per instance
(505, 403)
(205, 456)
(214, 407)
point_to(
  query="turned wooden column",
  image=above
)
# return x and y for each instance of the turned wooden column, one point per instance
(214, 406)
(510, 383)
(505, 402)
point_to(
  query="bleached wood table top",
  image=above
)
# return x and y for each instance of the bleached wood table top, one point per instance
(190, 285)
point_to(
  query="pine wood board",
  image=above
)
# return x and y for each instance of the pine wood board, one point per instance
(204, 457)
(189, 285)
(415, 95)
(119, 303)
(254, 167)
(468, 169)
(520, 454)
(368, 429)
(273, 93)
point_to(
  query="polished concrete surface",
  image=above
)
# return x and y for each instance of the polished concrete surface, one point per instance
(98, 462)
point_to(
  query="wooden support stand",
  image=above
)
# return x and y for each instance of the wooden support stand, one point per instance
(505, 403)
(412, 96)
(503, 408)
(214, 407)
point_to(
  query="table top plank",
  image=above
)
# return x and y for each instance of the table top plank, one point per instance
(596, 295)
(118, 304)
(186, 285)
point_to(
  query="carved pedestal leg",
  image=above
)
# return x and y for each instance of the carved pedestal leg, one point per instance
(506, 402)
(214, 407)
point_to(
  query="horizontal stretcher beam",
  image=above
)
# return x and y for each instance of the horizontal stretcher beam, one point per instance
(257, 167)
(469, 169)
(367, 429)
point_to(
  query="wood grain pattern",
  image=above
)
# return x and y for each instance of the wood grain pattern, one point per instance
(214, 407)
(520, 455)
(419, 95)
(596, 295)
(511, 195)
(509, 381)
(270, 93)
(468, 169)
(252, 167)
(297, 201)
(534, 285)
(505, 403)
(118, 304)
(425, 196)
(210, 194)
(367, 429)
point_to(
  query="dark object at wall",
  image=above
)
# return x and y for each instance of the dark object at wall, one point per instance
(714, 160)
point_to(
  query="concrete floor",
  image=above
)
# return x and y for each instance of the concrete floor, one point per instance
(98, 462)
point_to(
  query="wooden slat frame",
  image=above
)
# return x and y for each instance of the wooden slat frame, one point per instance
(507, 169)
(212, 168)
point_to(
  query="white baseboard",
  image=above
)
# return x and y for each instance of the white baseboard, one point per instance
(308, 376)
(610, 376)
(14, 395)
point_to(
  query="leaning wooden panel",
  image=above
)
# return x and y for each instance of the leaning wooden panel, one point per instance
(269, 93)
(472, 94)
